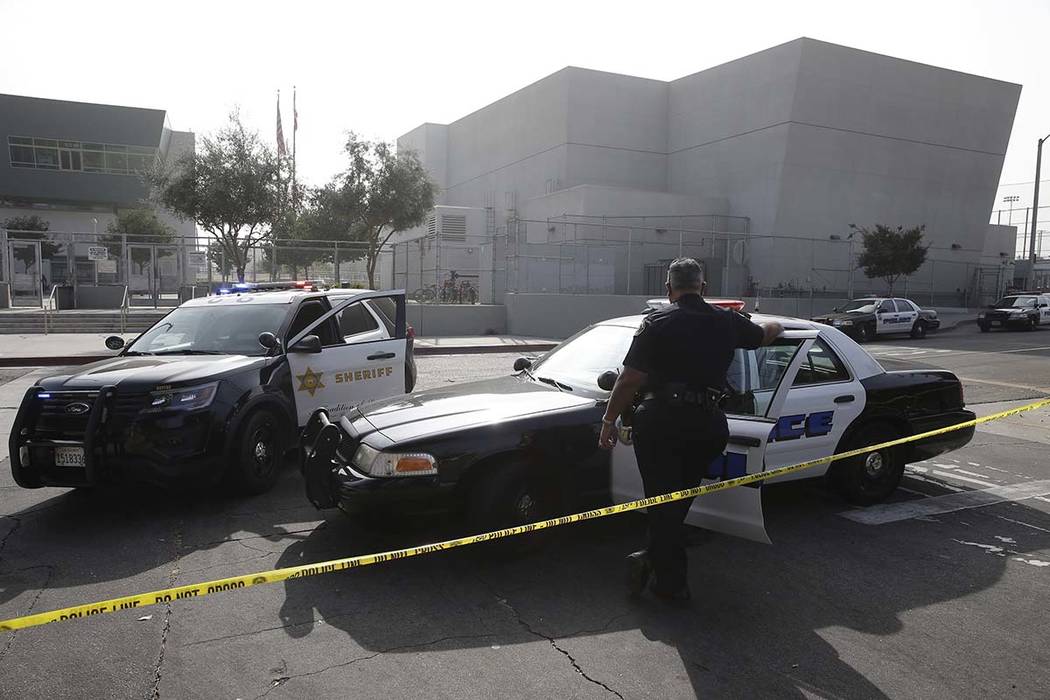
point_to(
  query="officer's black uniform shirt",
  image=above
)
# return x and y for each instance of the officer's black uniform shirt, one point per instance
(690, 342)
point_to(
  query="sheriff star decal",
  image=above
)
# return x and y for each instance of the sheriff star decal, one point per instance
(310, 381)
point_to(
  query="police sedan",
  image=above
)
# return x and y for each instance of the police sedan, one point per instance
(215, 389)
(522, 447)
(865, 319)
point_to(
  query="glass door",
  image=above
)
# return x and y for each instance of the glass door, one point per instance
(140, 274)
(166, 275)
(27, 287)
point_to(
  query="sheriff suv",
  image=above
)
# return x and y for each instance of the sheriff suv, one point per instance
(215, 390)
(1025, 311)
(864, 319)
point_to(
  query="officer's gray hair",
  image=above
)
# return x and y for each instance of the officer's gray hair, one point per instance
(685, 274)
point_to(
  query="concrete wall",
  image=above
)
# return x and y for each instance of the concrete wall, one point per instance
(100, 297)
(457, 319)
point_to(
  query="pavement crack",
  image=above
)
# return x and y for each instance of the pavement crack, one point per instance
(554, 643)
(47, 582)
(7, 535)
(154, 693)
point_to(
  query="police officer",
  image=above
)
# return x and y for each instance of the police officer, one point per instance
(678, 362)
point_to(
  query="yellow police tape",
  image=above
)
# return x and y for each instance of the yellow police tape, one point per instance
(197, 590)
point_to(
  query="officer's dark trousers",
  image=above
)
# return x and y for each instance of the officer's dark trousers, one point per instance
(674, 447)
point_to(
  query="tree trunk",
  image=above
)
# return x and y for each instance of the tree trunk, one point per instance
(240, 274)
(371, 267)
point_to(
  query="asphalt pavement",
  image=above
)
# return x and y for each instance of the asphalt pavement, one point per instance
(848, 602)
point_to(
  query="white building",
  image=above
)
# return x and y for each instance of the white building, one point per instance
(785, 148)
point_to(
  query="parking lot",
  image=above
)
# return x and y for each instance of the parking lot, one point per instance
(886, 601)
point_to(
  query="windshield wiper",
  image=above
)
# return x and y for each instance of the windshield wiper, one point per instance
(552, 382)
(136, 352)
(187, 351)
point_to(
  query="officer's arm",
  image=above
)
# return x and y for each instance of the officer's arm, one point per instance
(628, 384)
(771, 330)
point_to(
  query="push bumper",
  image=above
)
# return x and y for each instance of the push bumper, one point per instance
(331, 481)
(112, 446)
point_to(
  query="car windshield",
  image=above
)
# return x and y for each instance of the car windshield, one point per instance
(580, 359)
(220, 330)
(865, 306)
(1018, 302)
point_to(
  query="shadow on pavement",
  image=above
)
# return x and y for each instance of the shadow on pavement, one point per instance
(753, 626)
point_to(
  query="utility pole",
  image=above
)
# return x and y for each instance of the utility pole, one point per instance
(1030, 279)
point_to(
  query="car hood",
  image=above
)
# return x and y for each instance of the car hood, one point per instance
(438, 411)
(147, 372)
(844, 315)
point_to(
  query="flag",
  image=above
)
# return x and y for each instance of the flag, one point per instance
(282, 149)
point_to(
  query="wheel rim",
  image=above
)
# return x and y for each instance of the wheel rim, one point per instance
(874, 465)
(525, 506)
(263, 450)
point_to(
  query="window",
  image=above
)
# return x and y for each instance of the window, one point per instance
(754, 376)
(386, 309)
(355, 319)
(886, 306)
(75, 156)
(905, 305)
(310, 311)
(821, 366)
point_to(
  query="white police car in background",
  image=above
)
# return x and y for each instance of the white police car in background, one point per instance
(812, 393)
(864, 319)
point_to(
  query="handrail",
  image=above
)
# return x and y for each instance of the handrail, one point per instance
(124, 303)
(47, 308)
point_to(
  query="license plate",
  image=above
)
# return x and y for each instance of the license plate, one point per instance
(69, 456)
(996, 323)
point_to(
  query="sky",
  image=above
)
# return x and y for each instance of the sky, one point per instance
(382, 68)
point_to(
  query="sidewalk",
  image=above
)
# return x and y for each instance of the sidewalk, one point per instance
(38, 349)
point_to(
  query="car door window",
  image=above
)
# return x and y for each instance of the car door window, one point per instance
(754, 376)
(355, 319)
(821, 366)
(886, 306)
(309, 311)
(386, 309)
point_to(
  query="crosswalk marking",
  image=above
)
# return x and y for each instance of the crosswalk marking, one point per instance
(906, 510)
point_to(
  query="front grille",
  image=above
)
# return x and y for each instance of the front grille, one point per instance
(57, 421)
(59, 418)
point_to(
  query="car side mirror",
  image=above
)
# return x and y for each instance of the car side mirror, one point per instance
(268, 340)
(522, 363)
(114, 342)
(607, 379)
(309, 344)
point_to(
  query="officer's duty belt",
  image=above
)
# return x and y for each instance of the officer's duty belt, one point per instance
(702, 398)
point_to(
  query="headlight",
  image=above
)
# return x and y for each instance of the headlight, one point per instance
(842, 323)
(980, 316)
(183, 399)
(375, 463)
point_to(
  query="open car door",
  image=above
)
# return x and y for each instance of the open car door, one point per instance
(758, 382)
(348, 363)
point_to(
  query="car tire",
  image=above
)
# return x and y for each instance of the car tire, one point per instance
(918, 330)
(258, 453)
(1032, 323)
(868, 478)
(512, 495)
(984, 327)
(865, 333)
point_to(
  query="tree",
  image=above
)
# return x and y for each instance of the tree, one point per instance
(299, 242)
(891, 253)
(380, 193)
(141, 226)
(222, 263)
(30, 228)
(234, 187)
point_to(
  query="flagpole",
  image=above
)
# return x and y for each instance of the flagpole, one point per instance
(295, 128)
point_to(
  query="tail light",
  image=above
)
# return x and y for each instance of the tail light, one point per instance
(410, 333)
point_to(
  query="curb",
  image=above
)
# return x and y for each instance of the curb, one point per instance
(66, 360)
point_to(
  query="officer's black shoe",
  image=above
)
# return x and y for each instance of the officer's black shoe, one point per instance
(639, 568)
